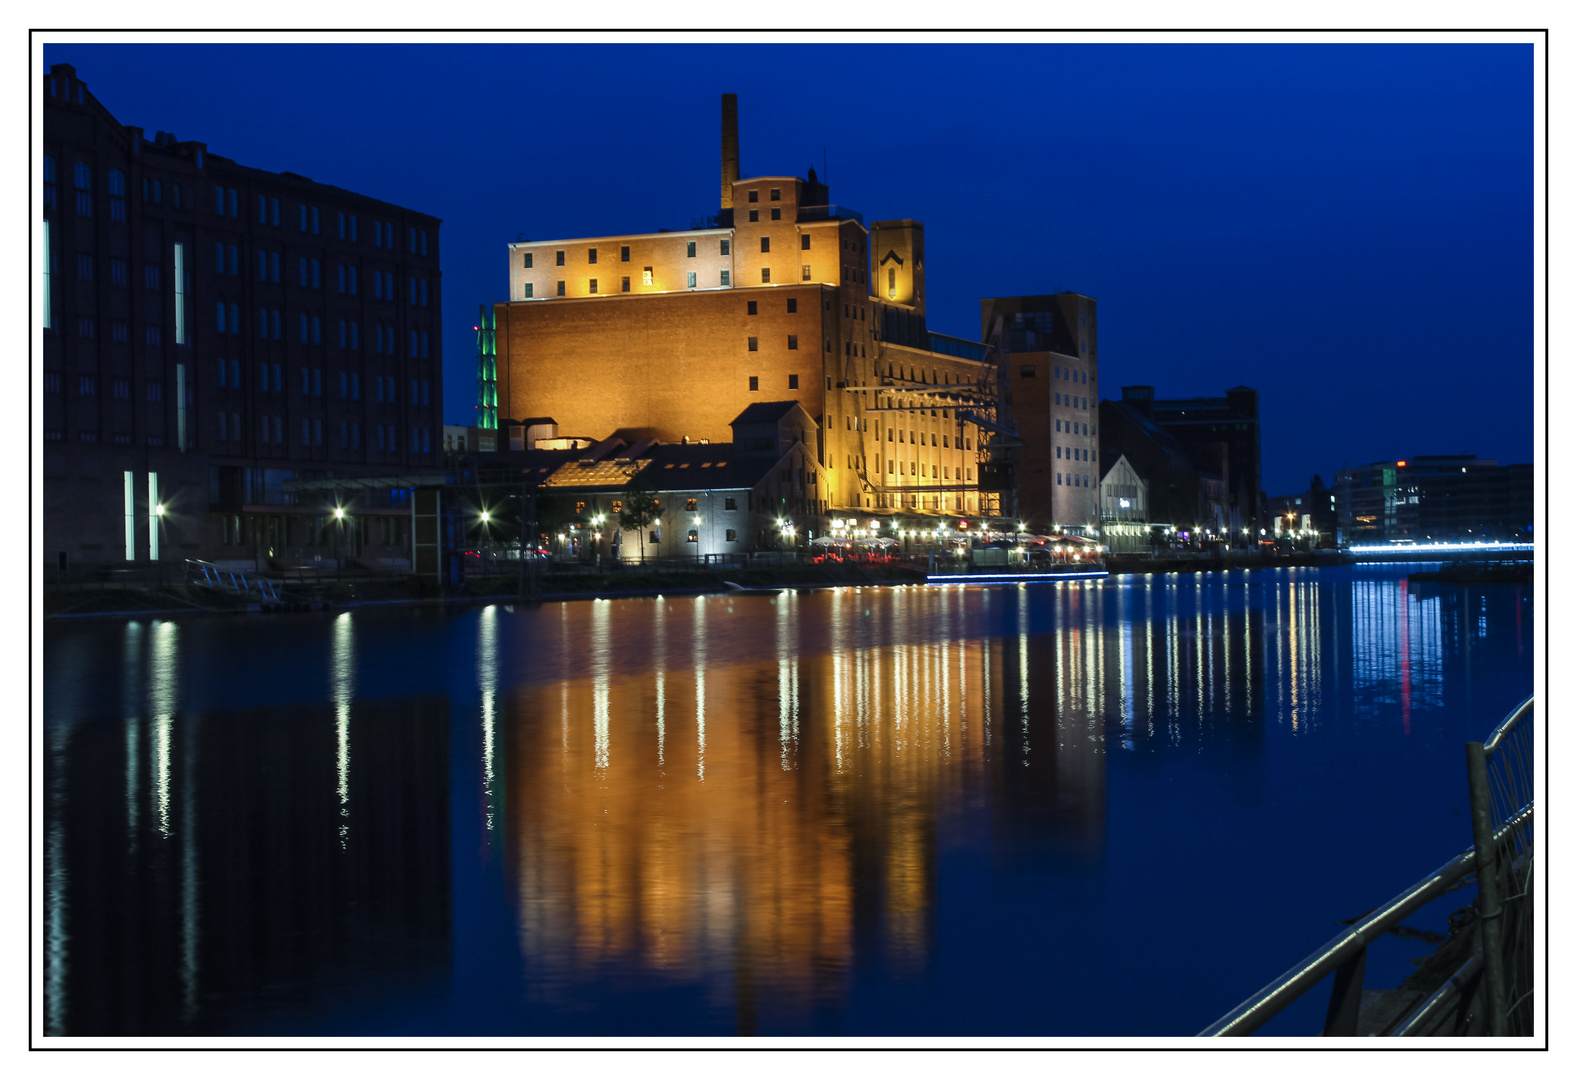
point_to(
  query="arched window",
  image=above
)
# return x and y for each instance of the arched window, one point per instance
(84, 177)
(117, 183)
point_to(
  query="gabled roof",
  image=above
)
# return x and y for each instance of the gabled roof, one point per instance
(764, 412)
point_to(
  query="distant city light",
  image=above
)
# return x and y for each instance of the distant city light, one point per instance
(1477, 545)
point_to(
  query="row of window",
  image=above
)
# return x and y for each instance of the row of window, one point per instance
(1072, 400)
(312, 382)
(751, 343)
(271, 431)
(227, 203)
(120, 438)
(1073, 427)
(270, 324)
(528, 289)
(120, 389)
(690, 249)
(947, 471)
(792, 308)
(1073, 480)
(1073, 453)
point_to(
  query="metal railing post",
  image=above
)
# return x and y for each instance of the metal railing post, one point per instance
(1341, 1016)
(1484, 848)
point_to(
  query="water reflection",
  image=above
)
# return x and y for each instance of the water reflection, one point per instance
(732, 860)
(758, 804)
(240, 896)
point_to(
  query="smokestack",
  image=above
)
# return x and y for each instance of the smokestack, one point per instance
(730, 148)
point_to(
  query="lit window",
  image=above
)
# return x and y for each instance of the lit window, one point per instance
(646, 275)
(690, 279)
(804, 272)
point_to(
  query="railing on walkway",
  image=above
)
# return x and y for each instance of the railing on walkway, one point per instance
(1500, 788)
(236, 581)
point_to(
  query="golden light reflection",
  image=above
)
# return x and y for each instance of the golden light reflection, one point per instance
(746, 882)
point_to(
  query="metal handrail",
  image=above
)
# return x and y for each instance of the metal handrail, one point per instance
(1450, 993)
(1254, 1012)
(1492, 743)
(1346, 948)
(215, 576)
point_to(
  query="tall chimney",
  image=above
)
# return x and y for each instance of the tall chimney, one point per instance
(730, 148)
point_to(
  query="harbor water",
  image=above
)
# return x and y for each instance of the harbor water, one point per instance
(1099, 808)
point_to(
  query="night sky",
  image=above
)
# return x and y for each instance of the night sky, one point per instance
(1348, 228)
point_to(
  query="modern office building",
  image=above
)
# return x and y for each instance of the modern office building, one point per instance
(218, 338)
(1434, 497)
(1051, 356)
(783, 295)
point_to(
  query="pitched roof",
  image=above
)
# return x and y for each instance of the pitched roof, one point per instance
(764, 412)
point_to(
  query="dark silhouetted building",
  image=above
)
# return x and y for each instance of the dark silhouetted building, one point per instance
(1172, 483)
(1435, 497)
(214, 332)
(1221, 439)
(1307, 517)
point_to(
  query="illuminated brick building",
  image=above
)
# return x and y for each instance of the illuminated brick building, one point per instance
(785, 296)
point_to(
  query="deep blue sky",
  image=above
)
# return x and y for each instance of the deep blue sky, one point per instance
(1348, 228)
